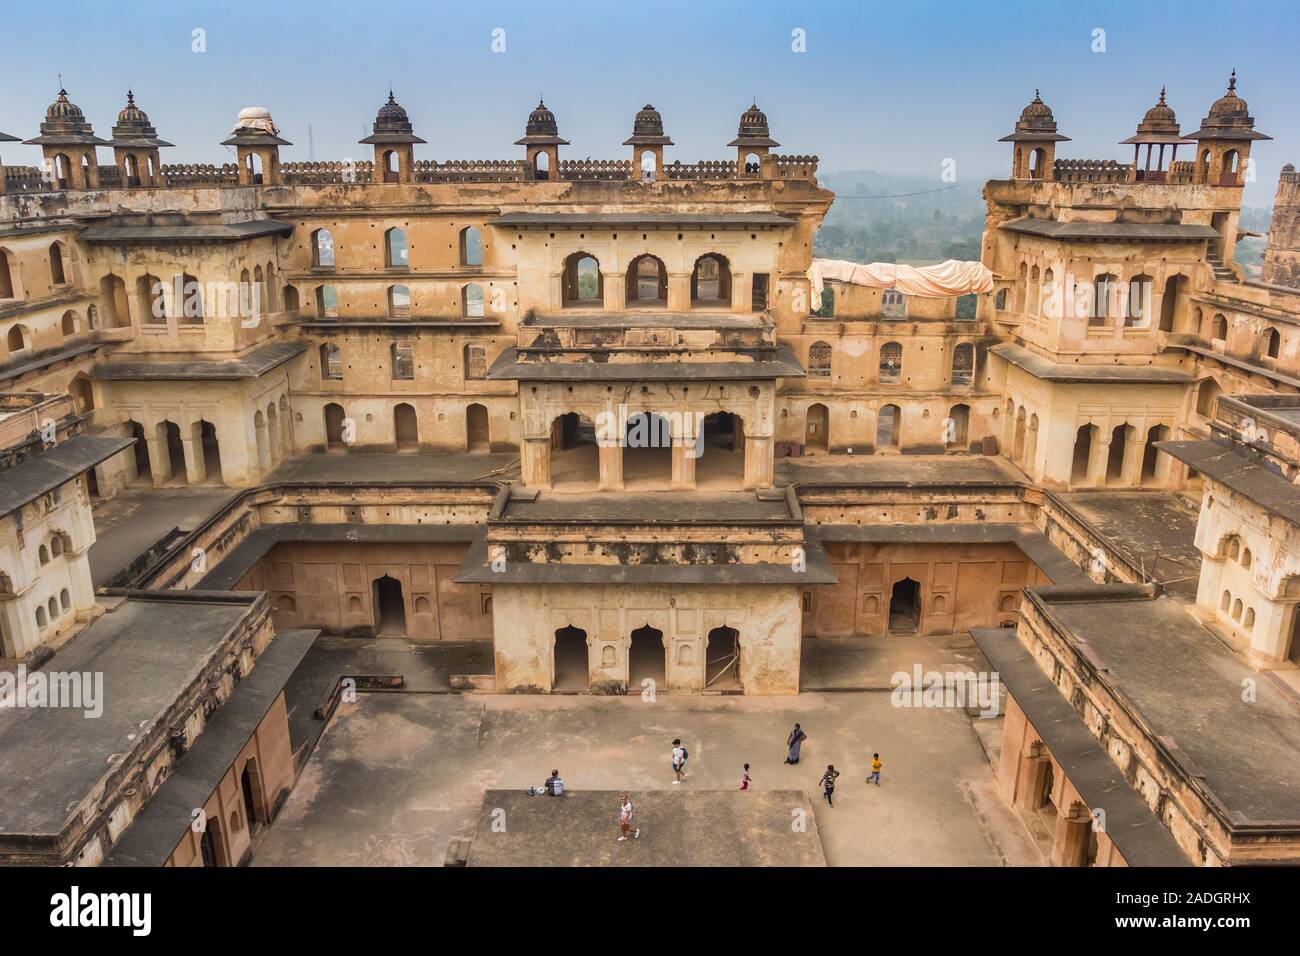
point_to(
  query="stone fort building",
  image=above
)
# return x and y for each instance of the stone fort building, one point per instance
(420, 381)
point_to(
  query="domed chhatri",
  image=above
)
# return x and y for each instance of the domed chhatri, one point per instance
(65, 125)
(542, 129)
(1229, 118)
(1035, 138)
(394, 141)
(648, 129)
(392, 125)
(133, 128)
(753, 130)
(68, 144)
(1159, 126)
(1036, 124)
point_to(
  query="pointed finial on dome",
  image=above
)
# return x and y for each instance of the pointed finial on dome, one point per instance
(1232, 81)
(1162, 95)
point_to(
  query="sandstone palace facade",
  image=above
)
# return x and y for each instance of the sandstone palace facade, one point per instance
(420, 381)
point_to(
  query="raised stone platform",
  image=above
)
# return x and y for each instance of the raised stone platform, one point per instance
(678, 828)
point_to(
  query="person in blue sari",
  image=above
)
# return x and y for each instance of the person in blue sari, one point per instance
(794, 742)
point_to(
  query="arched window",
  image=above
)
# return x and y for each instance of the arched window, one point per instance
(1000, 300)
(187, 300)
(399, 302)
(17, 339)
(1234, 548)
(6, 276)
(291, 298)
(819, 360)
(1219, 327)
(112, 298)
(331, 362)
(151, 300)
(56, 546)
(1103, 292)
(92, 317)
(471, 300)
(1207, 394)
(327, 302)
(647, 281)
(711, 280)
(396, 253)
(583, 283)
(69, 322)
(891, 362)
(403, 361)
(963, 364)
(1272, 343)
(43, 555)
(322, 249)
(1137, 315)
(893, 304)
(57, 276)
(65, 600)
(471, 246)
(1050, 297)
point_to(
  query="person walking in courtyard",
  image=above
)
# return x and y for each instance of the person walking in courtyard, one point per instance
(625, 819)
(875, 770)
(794, 742)
(828, 783)
(679, 761)
(744, 778)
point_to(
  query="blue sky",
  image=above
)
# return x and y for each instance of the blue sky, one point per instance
(896, 87)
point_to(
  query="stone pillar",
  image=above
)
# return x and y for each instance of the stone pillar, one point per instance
(1098, 458)
(160, 459)
(263, 447)
(536, 462)
(679, 292)
(611, 467)
(1133, 453)
(1070, 843)
(684, 463)
(83, 588)
(195, 470)
(614, 294)
(19, 629)
(758, 461)
(1031, 778)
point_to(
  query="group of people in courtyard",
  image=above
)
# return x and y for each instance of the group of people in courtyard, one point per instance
(554, 785)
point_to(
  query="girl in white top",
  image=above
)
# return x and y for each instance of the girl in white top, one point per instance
(625, 819)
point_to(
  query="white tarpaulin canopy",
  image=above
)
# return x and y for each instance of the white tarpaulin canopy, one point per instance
(952, 277)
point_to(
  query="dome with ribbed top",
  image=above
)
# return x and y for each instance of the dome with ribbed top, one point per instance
(1036, 124)
(753, 130)
(65, 125)
(63, 108)
(133, 127)
(392, 125)
(648, 129)
(1159, 126)
(542, 129)
(1229, 118)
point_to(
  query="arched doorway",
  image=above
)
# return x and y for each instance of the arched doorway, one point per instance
(722, 659)
(211, 846)
(887, 427)
(646, 658)
(405, 427)
(905, 607)
(141, 450)
(572, 671)
(647, 282)
(722, 451)
(647, 451)
(817, 428)
(389, 607)
(575, 453)
(170, 433)
(211, 452)
(1082, 454)
(333, 426)
(1115, 457)
(250, 783)
(477, 435)
(1154, 465)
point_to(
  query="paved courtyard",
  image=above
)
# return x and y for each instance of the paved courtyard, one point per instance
(397, 775)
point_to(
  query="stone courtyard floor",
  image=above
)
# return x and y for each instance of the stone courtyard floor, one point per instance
(398, 775)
